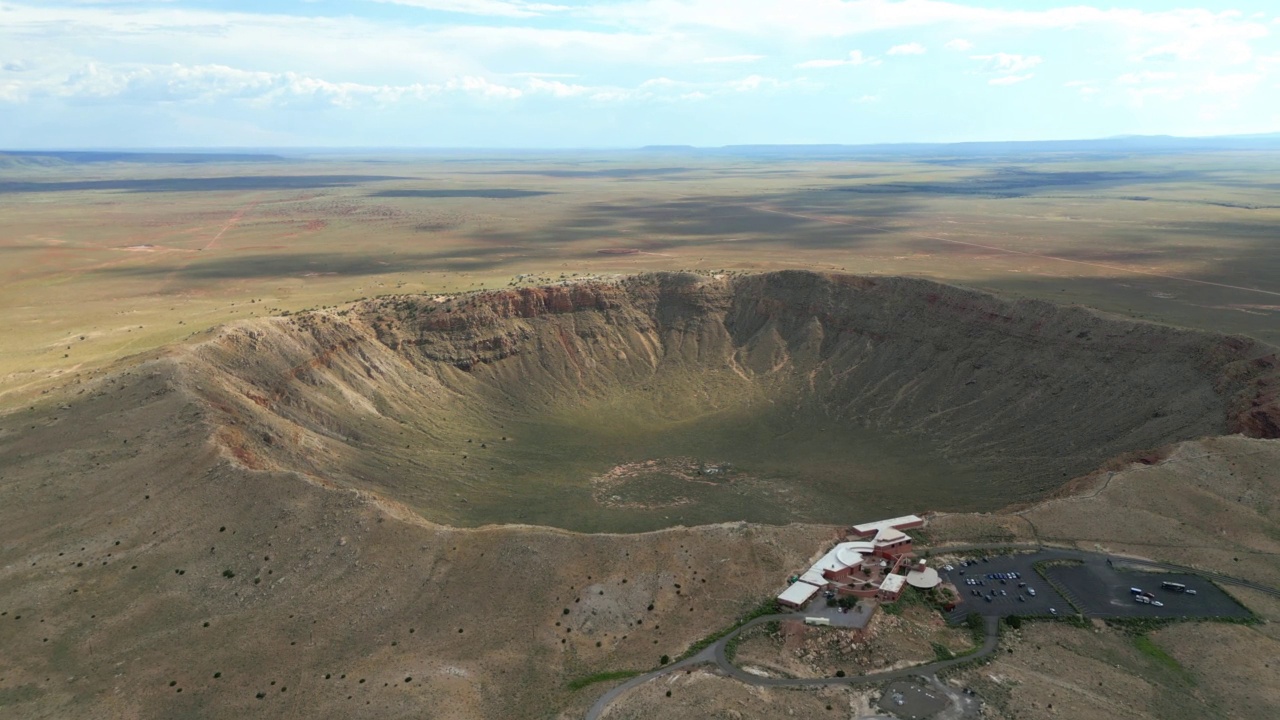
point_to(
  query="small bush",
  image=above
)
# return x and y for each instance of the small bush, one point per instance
(228, 573)
(664, 659)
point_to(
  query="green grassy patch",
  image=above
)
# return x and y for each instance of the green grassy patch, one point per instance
(942, 652)
(1148, 647)
(606, 676)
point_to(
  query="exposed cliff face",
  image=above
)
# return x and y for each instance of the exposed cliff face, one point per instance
(949, 395)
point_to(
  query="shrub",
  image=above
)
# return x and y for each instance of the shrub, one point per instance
(664, 659)
(228, 573)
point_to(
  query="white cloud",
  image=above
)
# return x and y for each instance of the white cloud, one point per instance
(1229, 84)
(855, 58)
(847, 18)
(498, 8)
(1007, 63)
(1010, 79)
(732, 59)
(959, 45)
(913, 48)
(868, 99)
(1085, 87)
(1145, 77)
(557, 88)
(542, 75)
(202, 84)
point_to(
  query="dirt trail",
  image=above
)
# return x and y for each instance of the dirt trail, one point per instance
(231, 222)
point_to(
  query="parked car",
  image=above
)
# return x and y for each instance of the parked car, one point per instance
(1157, 603)
(1031, 592)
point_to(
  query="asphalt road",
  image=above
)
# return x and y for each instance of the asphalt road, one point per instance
(716, 654)
(991, 612)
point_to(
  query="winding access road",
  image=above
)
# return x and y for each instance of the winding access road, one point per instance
(717, 654)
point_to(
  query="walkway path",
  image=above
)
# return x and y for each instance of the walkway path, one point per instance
(717, 654)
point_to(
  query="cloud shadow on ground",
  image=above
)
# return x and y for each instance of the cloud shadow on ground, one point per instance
(489, 193)
(1020, 182)
(211, 184)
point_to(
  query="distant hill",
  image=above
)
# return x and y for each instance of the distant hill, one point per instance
(55, 158)
(1114, 145)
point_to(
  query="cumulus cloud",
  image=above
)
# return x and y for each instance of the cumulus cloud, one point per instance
(498, 8)
(1145, 77)
(959, 45)
(732, 59)
(1010, 79)
(912, 48)
(197, 84)
(557, 88)
(855, 58)
(1007, 63)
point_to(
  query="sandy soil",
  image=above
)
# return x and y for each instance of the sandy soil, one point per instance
(889, 641)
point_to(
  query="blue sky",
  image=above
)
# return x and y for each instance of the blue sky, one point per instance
(624, 73)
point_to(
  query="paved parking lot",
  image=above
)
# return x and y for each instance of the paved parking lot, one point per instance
(1096, 587)
(1101, 590)
(1045, 599)
(912, 700)
(856, 617)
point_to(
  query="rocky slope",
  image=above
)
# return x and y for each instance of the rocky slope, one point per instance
(1005, 400)
(224, 530)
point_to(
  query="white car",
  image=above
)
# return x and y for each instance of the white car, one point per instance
(1157, 603)
(1053, 611)
(948, 568)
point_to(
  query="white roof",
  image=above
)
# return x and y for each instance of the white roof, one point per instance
(889, 535)
(868, 528)
(925, 579)
(841, 556)
(850, 553)
(813, 577)
(893, 583)
(798, 593)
